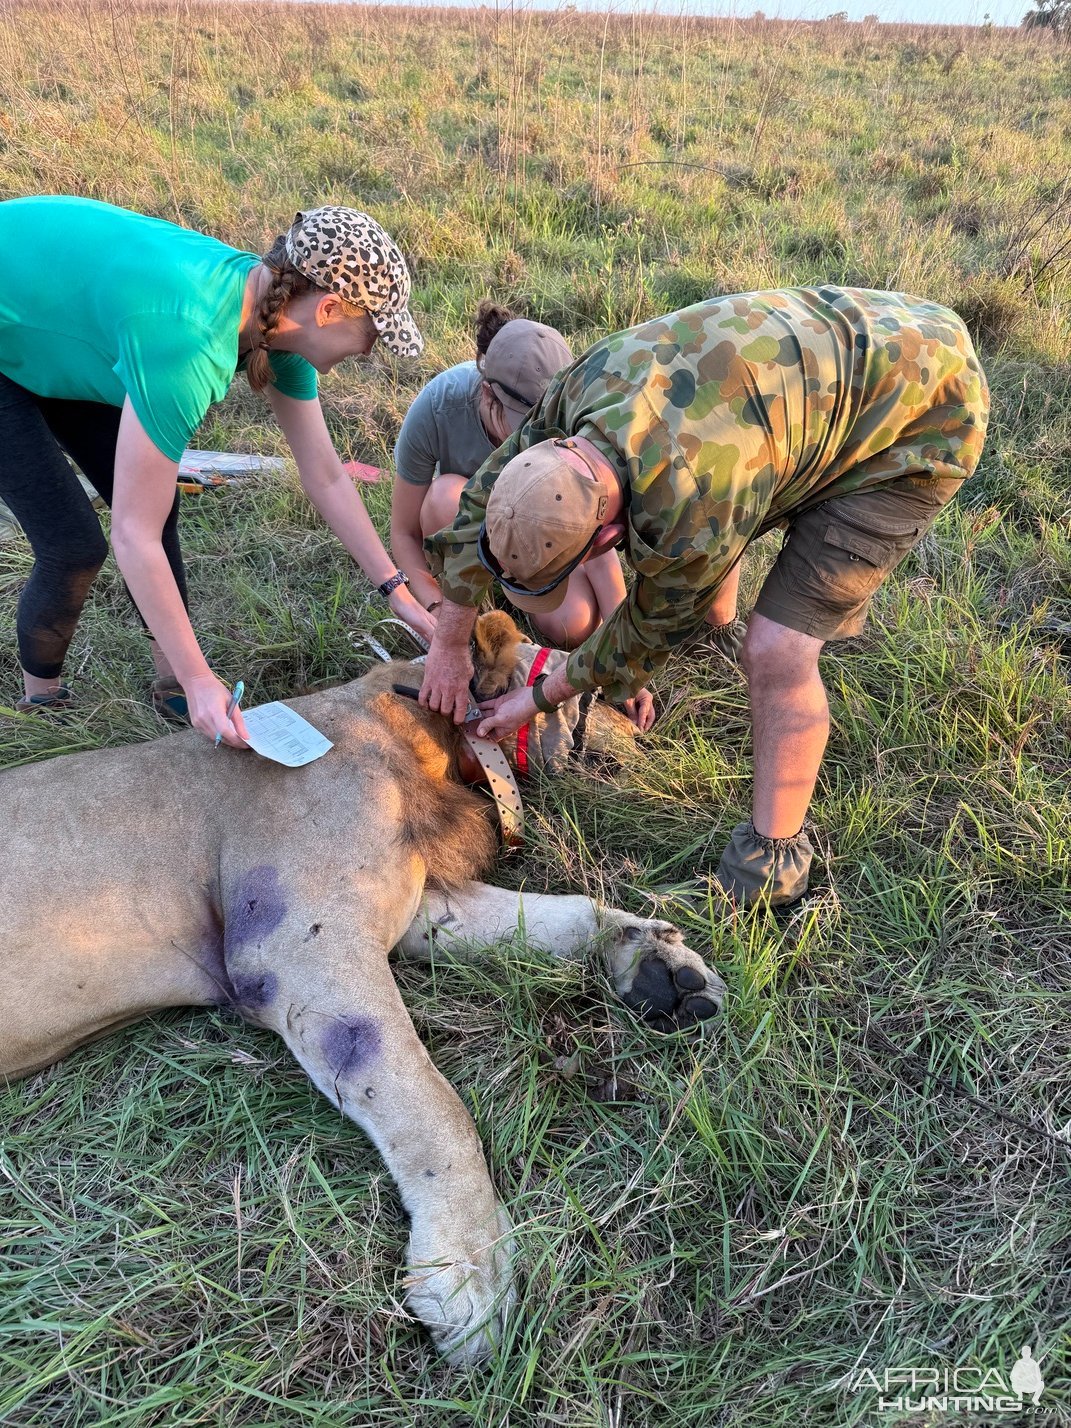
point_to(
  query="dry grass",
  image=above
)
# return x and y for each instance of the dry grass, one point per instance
(868, 1164)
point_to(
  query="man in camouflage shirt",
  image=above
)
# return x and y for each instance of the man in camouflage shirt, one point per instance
(847, 417)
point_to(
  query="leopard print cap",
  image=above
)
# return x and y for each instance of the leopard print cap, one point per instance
(348, 253)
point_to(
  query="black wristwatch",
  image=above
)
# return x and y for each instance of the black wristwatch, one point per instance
(398, 578)
(542, 703)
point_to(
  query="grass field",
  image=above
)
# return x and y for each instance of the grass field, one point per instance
(867, 1165)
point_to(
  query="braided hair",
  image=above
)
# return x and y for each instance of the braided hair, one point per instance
(286, 283)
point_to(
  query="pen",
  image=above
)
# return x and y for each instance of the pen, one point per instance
(232, 705)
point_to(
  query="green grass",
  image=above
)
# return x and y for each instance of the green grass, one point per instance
(866, 1165)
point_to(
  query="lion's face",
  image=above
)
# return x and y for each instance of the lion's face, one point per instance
(581, 726)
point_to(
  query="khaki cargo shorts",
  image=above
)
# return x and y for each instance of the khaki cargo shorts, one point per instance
(836, 554)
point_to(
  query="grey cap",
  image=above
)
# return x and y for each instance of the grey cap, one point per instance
(520, 361)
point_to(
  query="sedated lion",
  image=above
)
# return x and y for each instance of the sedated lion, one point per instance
(294, 887)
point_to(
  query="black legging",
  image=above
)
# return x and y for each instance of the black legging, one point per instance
(49, 503)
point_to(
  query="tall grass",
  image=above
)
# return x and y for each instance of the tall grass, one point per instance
(867, 1165)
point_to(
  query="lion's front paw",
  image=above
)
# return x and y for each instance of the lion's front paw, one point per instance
(463, 1295)
(660, 977)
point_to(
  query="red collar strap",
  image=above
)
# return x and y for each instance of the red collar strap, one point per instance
(522, 733)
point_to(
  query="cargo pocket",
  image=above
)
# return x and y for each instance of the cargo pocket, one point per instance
(858, 551)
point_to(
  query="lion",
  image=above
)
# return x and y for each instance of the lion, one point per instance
(293, 889)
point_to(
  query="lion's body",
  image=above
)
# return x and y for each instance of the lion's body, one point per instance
(173, 873)
(138, 857)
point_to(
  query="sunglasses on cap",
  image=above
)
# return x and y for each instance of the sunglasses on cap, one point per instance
(512, 587)
(487, 557)
(512, 393)
(489, 561)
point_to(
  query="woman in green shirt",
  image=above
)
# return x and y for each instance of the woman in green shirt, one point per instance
(122, 375)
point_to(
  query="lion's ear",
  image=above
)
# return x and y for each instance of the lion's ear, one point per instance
(496, 639)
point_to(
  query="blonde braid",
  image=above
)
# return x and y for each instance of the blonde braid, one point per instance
(286, 282)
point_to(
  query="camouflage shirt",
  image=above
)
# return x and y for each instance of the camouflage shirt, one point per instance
(725, 420)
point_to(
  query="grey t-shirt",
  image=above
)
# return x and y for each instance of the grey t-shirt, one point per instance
(442, 430)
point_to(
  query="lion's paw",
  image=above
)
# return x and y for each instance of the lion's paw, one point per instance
(463, 1297)
(658, 976)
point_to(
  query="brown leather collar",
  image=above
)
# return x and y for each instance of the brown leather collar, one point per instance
(482, 761)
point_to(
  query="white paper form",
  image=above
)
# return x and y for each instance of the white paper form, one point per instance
(277, 733)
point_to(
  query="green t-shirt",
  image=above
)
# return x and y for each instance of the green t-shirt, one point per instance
(101, 304)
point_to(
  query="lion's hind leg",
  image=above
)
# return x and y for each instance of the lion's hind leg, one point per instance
(316, 972)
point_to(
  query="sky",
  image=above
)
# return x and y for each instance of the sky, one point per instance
(949, 12)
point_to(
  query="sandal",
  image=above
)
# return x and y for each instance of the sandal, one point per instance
(55, 702)
(169, 700)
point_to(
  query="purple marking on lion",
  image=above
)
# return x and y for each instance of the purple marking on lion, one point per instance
(254, 989)
(350, 1042)
(255, 908)
(209, 958)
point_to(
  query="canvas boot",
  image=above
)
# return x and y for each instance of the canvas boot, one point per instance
(758, 869)
(726, 640)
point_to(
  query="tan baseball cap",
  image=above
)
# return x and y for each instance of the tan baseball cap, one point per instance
(542, 517)
(520, 361)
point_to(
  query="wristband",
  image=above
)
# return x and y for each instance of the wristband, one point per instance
(542, 703)
(398, 578)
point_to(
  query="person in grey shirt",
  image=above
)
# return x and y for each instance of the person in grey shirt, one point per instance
(460, 418)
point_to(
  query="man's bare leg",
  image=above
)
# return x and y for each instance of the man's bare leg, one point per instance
(723, 608)
(790, 723)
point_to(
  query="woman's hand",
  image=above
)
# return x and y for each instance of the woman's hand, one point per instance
(407, 607)
(207, 698)
(640, 709)
(506, 714)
